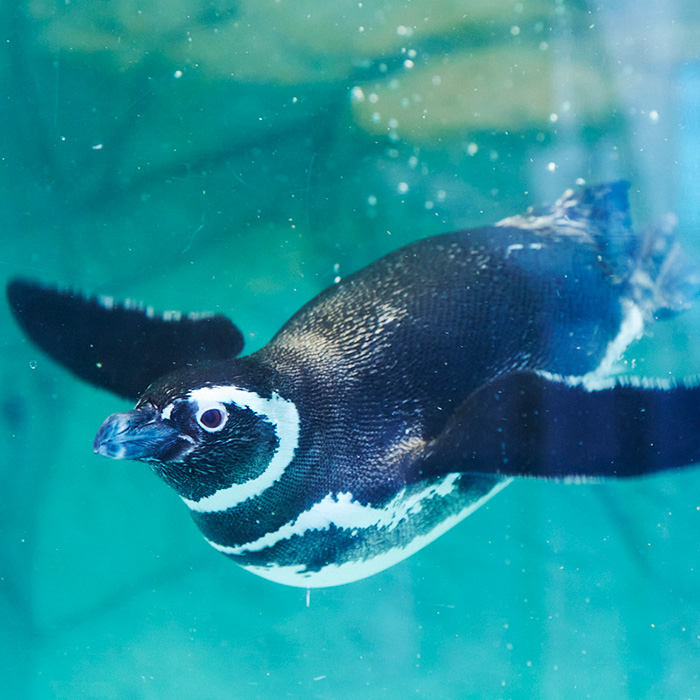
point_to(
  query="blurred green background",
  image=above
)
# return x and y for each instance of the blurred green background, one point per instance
(238, 157)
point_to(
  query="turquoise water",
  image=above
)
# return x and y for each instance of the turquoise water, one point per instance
(238, 158)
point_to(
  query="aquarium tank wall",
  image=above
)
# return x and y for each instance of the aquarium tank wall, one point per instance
(239, 158)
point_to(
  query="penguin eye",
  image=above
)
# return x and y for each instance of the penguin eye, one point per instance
(212, 418)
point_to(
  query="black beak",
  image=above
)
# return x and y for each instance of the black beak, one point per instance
(140, 435)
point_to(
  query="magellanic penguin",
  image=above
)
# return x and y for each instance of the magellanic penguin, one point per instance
(401, 399)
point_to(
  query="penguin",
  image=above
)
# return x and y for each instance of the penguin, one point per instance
(402, 398)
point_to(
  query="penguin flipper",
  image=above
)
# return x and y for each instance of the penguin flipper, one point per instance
(531, 424)
(121, 348)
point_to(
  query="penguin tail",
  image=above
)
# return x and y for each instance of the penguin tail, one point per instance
(660, 278)
(664, 280)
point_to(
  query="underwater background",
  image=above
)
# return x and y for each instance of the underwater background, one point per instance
(238, 157)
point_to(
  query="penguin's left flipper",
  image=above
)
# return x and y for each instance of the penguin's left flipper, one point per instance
(531, 424)
(121, 348)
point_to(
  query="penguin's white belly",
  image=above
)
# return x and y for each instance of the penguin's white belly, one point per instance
(354, 540)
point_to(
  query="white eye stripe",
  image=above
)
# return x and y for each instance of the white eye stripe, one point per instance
(283, 416)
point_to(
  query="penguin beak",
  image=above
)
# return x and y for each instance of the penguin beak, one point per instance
(140, 435)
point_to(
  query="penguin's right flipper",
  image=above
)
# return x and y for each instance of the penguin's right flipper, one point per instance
(531, 424)
(121, 348)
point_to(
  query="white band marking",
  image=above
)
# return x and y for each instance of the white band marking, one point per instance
(338, 574)
(283, 416)
(343, 511)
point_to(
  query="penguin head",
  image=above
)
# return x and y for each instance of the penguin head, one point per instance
(205, 435)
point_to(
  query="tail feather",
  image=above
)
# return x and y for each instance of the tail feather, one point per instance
(665, 280)
(661, 280)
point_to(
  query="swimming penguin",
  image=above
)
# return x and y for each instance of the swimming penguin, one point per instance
(401, 399)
